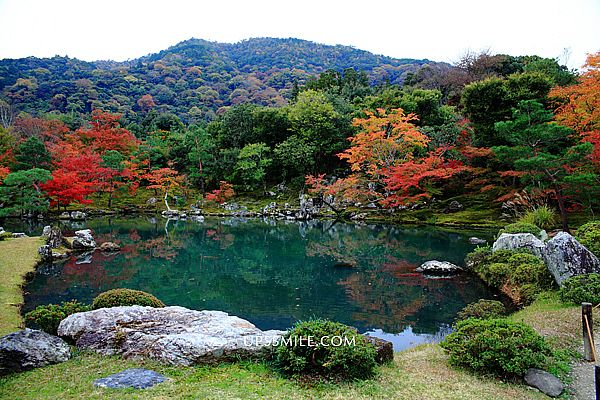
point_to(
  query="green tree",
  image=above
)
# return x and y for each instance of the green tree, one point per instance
(252, 163)
(295, 155)
(200, 148)
(21, 194)
(546, 153)
(314, 119)
(32, 153)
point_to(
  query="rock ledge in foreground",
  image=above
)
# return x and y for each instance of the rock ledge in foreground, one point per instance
(171, 335)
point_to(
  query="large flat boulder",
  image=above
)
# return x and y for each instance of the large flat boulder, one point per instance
(28, 349)
(516, 241)
(172, 335)
(566, 257)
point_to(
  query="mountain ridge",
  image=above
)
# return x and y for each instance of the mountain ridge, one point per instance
(193, 79)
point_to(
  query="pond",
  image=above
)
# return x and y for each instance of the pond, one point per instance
(274, 273)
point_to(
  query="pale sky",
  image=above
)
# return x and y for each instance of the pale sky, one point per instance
(440, 30)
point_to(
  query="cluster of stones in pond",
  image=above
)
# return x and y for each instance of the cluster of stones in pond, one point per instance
(59, 247)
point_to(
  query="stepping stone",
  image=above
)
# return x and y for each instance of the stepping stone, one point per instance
(544, 382)
(137, 378)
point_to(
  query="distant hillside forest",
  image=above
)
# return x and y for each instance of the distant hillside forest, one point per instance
(194, 80)
(340, 123)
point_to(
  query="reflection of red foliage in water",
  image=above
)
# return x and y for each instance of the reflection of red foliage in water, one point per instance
(160, 247)
(134, 235)
(370, 291)
(93, 274)
(225, 239)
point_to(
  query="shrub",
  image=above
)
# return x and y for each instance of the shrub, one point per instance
(5, 235)
(518, 274)
(519, 227)
(354, 359)
(589, 236)
(477, 256)
(482, 309)
(543, 216)
(125, 297)
(496, 346)
(48, 317)
(581, 289)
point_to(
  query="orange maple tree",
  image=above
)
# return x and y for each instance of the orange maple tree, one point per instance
(163, 179)
(390, 162)
(580, 105)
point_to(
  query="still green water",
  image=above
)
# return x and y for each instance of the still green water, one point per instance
(274, 273)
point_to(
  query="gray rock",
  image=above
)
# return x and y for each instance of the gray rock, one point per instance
(385, 349)
(566, 257)
(544, 381)
(151, 201)
(454, 206)
(197, 218)
(515, 241)
(85, 258)
(28, 349)
(45, 252)
(17, 235)
(54, 238)
(46, 231)
(64, 215)
(84, 240)
(358, 216)
(476, 240)
(109, 247)
(78, 215)
(435, 267)
(137, 378)
(172, 335)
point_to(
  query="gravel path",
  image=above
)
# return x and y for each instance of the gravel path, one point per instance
(583, 386)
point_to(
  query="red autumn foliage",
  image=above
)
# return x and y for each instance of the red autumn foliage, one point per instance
(106, 134)
(222, 194)
(4, 171)
(67, 187)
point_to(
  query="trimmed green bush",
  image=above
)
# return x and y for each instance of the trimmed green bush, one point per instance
(581, 289)
(482, 309)
(125, 297)
(5, 235)
(589, 236)
(48, 317)
(477, 256)
(496, 346)
(519, 274)
(545, 217)
(309, 349)
(519, 227)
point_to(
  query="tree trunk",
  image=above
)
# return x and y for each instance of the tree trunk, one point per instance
(563, 210)
(166, 198)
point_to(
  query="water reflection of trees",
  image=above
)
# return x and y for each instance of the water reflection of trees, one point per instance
(276, 272)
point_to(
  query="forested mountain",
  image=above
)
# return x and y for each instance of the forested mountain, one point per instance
(194, 79)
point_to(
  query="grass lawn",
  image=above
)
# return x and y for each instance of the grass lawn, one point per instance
(419, 373)
(18, 257)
